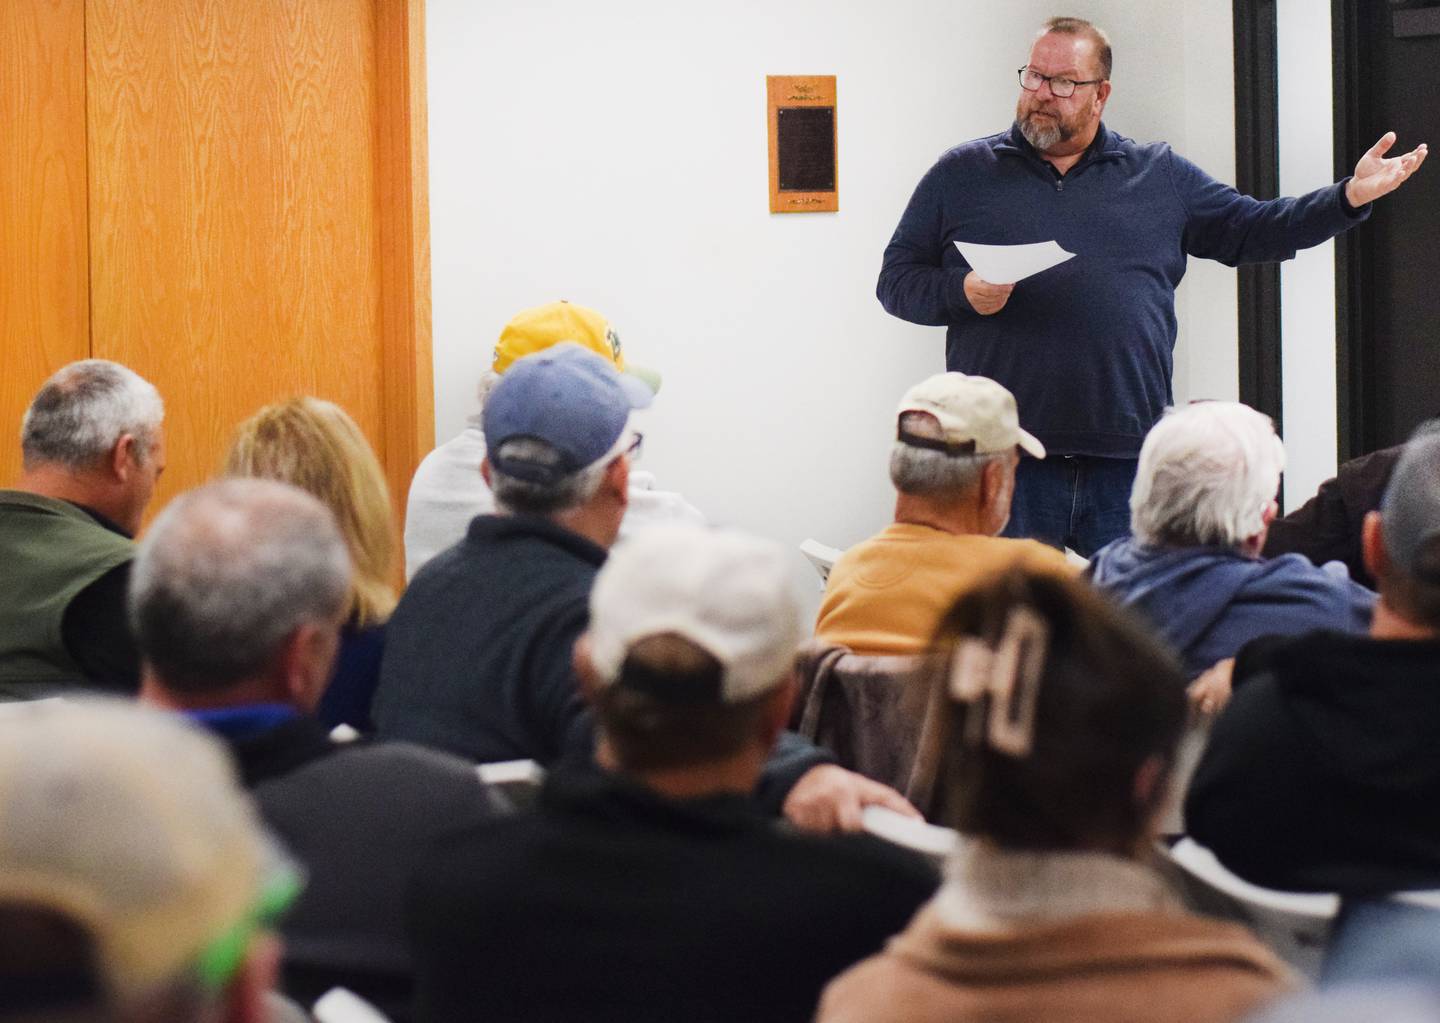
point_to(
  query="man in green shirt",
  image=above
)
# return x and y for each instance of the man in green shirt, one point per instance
(93, 448)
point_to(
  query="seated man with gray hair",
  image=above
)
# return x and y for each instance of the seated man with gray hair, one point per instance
(958, 441)
(93, 449)
(1204, 497)
(238, 593)
(478, 654)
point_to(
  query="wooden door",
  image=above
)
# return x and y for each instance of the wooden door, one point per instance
(44, 279)
(255, 220)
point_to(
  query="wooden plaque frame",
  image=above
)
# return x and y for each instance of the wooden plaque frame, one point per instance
(792, 92)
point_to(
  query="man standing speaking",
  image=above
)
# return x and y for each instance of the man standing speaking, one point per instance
(1087, 346)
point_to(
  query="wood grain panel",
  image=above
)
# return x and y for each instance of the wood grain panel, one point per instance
(234, 208)
(44, 303)
(403, 172)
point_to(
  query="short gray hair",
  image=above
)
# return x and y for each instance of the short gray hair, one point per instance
(1206, 475)
(84, 409)
(227, 573)
(925, 472)
(522, 497)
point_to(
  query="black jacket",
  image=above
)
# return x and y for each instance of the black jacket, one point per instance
(1327, 527)
(358, 817)
(1323, 773)
(478, 652)
(608, 902)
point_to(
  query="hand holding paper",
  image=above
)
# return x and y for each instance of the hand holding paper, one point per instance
(1007, 264)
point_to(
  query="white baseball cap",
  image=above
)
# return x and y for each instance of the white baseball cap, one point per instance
(728, 593)
(971, 410)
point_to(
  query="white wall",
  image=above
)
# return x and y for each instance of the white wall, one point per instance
(1207, 363)
(615, 154)
(1307, 283)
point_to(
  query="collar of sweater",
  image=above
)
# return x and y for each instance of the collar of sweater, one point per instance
(989, 889)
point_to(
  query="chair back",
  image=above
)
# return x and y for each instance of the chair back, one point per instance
(855, 706)
(1296, 925)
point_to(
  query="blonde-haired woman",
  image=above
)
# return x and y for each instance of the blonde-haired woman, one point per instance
(314, 445)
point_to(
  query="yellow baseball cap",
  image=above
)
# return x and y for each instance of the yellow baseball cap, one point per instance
(537, 329)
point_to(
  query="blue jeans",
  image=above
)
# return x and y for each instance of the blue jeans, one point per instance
(1074, 501)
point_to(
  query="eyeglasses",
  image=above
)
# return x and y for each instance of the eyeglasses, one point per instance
(637, 446)
(1060, 88)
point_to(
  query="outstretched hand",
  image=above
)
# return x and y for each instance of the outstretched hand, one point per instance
(1376, 176)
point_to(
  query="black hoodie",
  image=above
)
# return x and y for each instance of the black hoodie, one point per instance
(1323, 773)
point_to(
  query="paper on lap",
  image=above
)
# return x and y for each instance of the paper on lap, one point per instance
(1007, 264)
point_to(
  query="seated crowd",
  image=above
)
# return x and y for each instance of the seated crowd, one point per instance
(237, 772)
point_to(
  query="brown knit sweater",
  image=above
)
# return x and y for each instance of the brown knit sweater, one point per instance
(1114, 967)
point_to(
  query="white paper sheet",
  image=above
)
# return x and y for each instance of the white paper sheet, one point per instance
(1006, 264)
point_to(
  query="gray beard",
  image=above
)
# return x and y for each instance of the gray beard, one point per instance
(1042, 138)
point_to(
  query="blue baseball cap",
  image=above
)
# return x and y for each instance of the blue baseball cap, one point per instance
(566, 396)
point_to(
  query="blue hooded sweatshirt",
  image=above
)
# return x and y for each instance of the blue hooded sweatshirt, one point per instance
(1208, 602)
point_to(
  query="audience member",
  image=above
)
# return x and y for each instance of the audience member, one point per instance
(448, 490)
(93, 449)
(478, 653)
(653, 888)
(1204, 496)
(135, 883)
(1060, 729)
(1323, 771)
(238, 595)
(316, 446)
(1327, 527)
(958, 441)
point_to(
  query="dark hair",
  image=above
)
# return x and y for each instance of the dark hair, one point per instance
(1415, 594)
(1081, 27)
(49, 966)
(664, 709)
(1109, 698)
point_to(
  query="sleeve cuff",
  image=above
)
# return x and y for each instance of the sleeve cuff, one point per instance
(1353, 212)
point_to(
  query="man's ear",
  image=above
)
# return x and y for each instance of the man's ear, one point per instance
(306, 660)
(585, 672)
(617, 478)
(1372, 546)
(1148, 782)
(1102, 95)
(1269, 514)
(246, 997)
(992, 481)
(124, 457)
(485, 471)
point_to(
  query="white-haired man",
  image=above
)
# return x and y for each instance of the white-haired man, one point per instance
(654, 888)
(1323, 772)
(448, 490)
(93, 448)
(1204, 496)
(957, 442)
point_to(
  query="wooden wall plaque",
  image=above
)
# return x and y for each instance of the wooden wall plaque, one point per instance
(803, 156)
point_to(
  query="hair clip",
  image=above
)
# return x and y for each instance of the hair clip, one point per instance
(1009, 675)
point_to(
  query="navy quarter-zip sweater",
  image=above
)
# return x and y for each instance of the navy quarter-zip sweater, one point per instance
(1087, 346)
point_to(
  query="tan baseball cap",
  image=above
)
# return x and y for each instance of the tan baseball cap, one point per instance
(728, 593)
(971, 410)
(130, 822)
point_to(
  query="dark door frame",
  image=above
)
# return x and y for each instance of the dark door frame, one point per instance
(1354, 250)
(1257, 173)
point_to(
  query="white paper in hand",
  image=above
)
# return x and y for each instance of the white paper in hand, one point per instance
(1006, 264)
